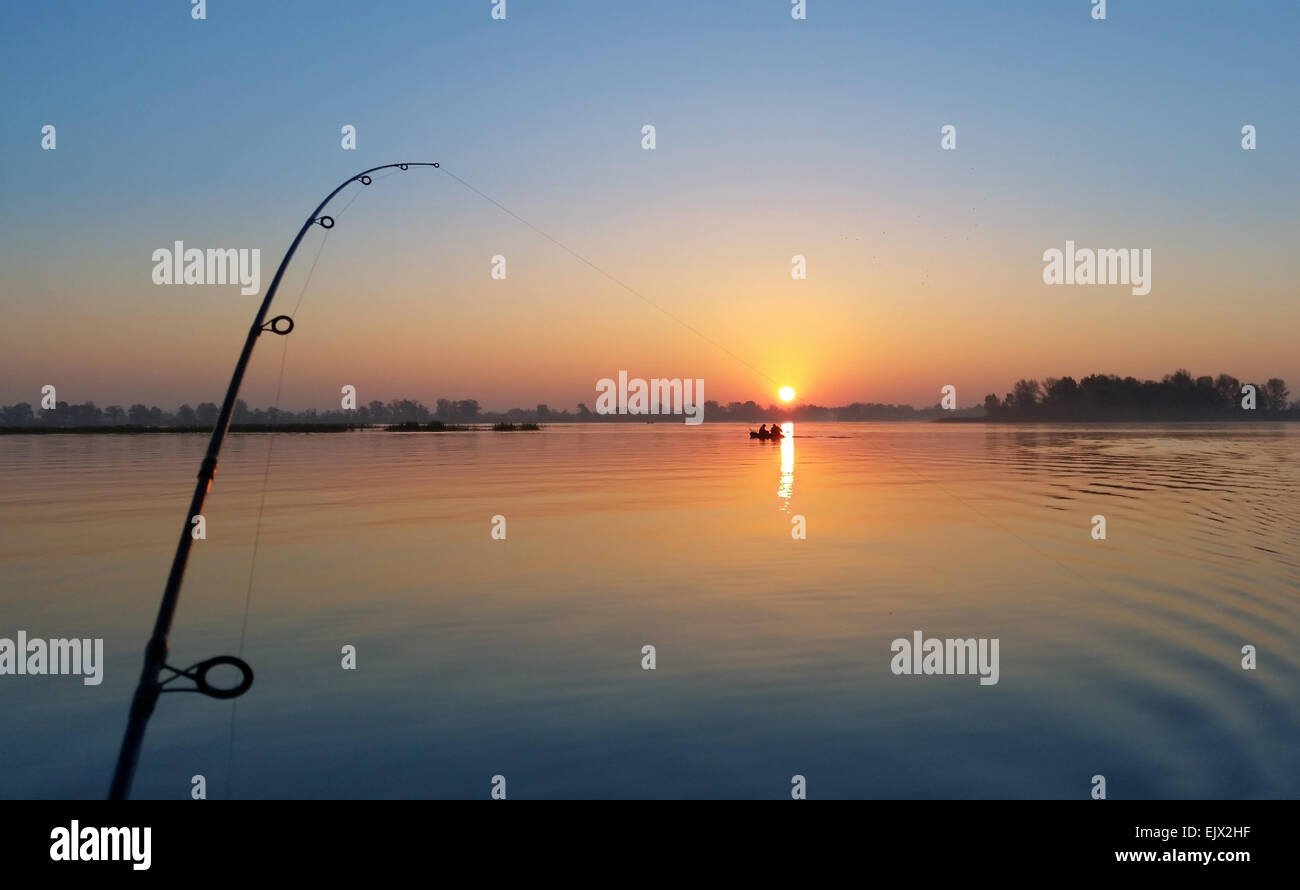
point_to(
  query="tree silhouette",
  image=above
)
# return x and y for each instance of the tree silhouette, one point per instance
(1277, 394)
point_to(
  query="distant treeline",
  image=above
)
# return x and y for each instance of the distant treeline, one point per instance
(131, 428)
(401, 411)
(1179, 396)
(1099, 397)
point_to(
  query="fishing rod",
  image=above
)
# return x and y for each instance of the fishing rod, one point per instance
(151, 684)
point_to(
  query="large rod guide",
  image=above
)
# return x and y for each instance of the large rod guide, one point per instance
(152, 683)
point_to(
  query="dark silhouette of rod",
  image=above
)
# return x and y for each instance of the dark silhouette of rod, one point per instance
(155, 653)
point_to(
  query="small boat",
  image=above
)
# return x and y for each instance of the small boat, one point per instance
(765, 435)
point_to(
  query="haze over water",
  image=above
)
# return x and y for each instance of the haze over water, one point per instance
(522, 657)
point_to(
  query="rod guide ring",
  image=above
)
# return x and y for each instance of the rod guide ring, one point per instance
(200, 676)
(281, 324)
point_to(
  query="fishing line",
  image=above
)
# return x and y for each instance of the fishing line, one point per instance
(257, 535)
(275, 422)
(266, 477)
(625, 286)
(1069, 569)
(967, 504)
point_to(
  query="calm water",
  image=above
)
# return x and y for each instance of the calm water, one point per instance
(522, 657)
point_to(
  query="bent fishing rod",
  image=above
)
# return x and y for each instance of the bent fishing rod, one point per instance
(151, 683)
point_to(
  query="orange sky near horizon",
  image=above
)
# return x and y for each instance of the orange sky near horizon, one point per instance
(893, 328)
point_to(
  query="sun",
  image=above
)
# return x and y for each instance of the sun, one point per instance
(786, 393)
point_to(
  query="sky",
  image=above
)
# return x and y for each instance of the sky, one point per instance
(775, 137)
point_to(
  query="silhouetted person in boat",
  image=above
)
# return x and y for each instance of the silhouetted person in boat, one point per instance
(762, 431)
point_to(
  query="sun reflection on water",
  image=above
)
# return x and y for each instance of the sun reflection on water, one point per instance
(786, 489)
